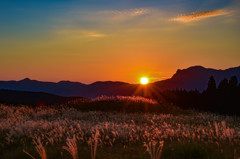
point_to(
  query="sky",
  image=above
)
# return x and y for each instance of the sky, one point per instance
(117, 40)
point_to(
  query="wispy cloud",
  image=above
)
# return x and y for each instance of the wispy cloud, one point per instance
(122, 15)
(130, 12)
(77, 34)
(196, 16)
(102, 23)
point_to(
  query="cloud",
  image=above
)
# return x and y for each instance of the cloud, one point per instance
(95, 35)
(89, 19)
(77, 34)
(199, 16)
(130, 12)
(93, 24)
(123, 15)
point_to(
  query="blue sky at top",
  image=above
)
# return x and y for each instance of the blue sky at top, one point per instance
(34, 17)
(131, 36)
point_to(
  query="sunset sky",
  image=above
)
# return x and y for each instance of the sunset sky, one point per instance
(118, 40)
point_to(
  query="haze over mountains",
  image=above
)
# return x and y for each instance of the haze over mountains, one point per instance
(195, 77)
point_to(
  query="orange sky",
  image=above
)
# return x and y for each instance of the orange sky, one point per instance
(119, 44)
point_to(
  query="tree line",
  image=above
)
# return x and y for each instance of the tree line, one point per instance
(223, 98)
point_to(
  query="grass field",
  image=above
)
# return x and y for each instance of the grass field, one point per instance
(116, 128)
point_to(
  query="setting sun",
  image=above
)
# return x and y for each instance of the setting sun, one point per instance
(144, 80)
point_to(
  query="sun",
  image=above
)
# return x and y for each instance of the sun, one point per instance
(144, 80)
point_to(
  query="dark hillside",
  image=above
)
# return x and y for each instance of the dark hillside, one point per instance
(31, 98)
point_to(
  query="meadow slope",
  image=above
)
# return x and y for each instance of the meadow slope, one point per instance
(133, 127)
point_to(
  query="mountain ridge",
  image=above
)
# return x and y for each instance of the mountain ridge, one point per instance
(194, 77)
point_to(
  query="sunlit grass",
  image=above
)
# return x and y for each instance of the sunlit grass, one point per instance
(68, 132)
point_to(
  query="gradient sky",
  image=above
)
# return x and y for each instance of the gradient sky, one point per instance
(119, 40)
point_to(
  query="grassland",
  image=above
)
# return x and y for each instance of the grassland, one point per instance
(116, 128)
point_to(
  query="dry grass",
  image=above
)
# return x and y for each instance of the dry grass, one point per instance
(72, 147)
(39, 148)
(71, 129)
(154, 149)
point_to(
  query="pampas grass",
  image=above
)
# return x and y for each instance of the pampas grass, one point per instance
(154, 149)
(72, 147)
(39, 148)
(93, 142)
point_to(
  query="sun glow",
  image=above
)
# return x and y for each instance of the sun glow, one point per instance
(144, 80)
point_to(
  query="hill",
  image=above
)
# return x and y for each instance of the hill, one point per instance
(31, 98)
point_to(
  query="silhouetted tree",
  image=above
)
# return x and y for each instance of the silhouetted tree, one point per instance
(222, 96)
(238, 90)
(233, 96)
(211, 85)
(223, 86)
(223, 99)
(233, 82)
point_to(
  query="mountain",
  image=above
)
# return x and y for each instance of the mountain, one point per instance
(63, 88)
(69, 89)
(195, 77)
(31, 98)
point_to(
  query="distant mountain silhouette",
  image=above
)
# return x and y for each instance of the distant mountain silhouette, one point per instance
(195, 77)
(31, 98)
(69, 89)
